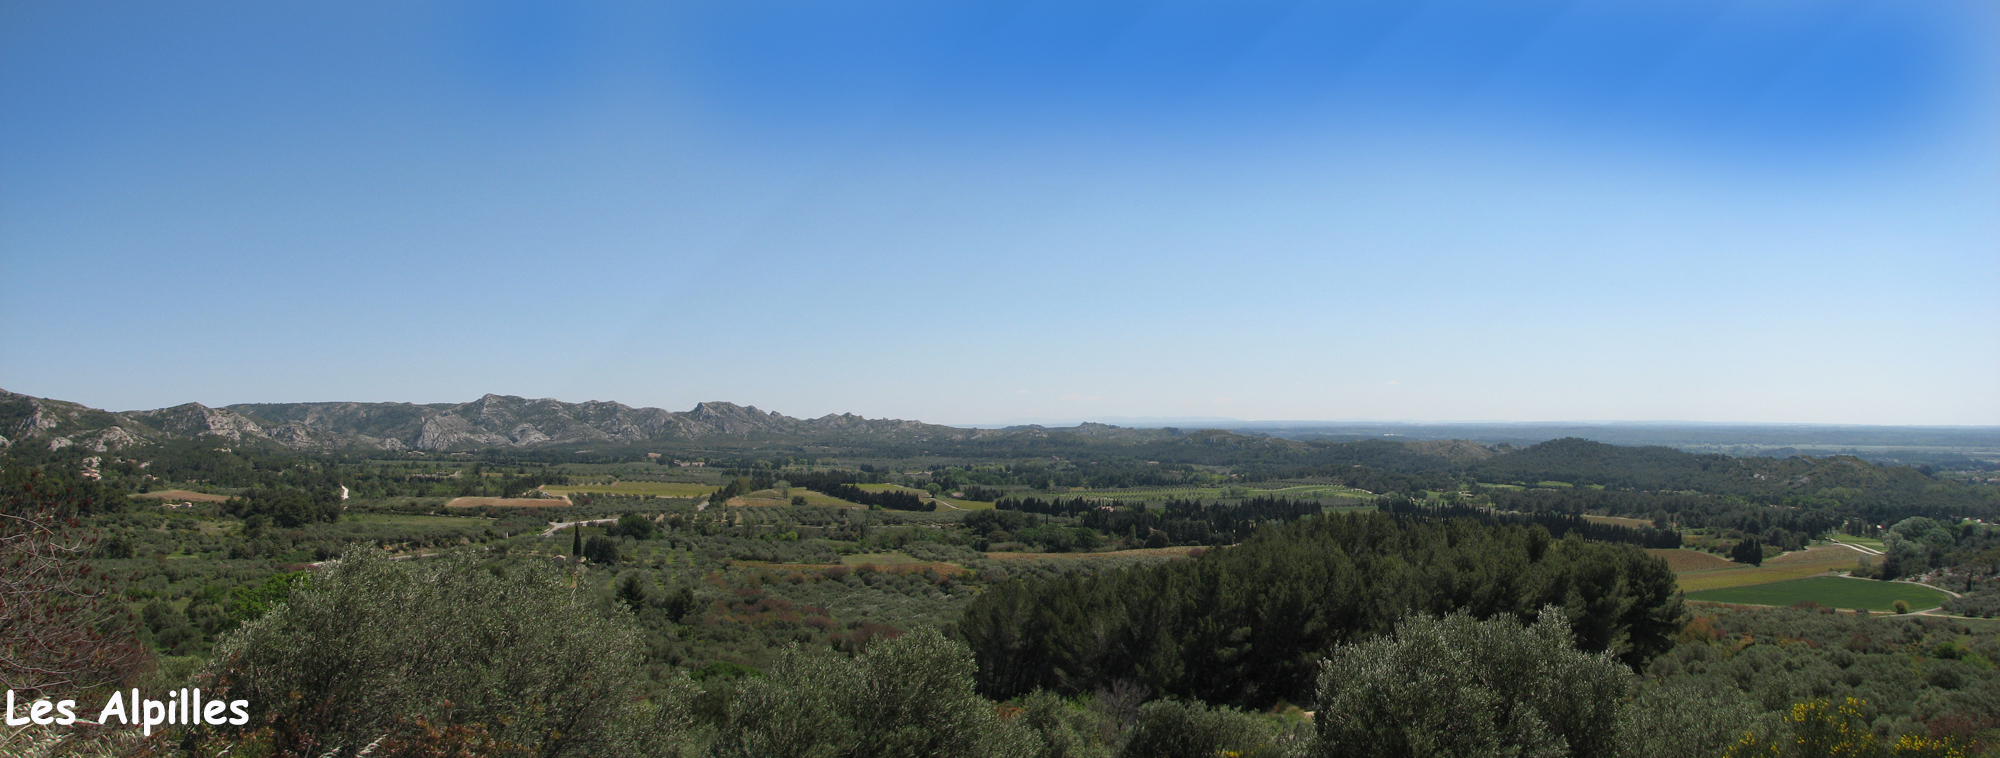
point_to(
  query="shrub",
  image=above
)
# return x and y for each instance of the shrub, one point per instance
(415, 652)
(601, 549)
(1463, 687)
(907, 697)
(1177, 729)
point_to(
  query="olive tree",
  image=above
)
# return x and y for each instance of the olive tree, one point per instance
(1458, 686)
(370, 650)
(910, 697)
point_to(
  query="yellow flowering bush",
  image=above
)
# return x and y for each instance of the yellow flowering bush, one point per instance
(1826, 729)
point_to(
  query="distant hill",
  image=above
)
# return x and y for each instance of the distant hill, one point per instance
(506, 421)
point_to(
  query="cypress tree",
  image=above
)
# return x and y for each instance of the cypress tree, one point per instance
(576, 539)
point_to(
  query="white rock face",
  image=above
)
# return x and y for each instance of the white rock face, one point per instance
(59, 443)
(114, 438)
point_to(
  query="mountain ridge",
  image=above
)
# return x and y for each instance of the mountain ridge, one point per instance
(491, 421)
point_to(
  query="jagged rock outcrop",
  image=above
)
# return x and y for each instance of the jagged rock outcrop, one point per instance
(59, 424)
(196, 420)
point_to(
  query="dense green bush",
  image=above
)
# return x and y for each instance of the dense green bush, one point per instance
(910, 697)
(1462, 687)
(1181, 729)
(1248, 624)
(371, 648)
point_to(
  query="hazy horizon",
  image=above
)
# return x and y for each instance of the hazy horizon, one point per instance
(1460, 212)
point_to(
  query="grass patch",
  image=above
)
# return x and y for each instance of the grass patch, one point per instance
(1714, 580)
(1830, 591)
(767, 498)
(964, 505)
(1698, 571)
(1846, 557)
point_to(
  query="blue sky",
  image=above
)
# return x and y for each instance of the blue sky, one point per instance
(1772, 211)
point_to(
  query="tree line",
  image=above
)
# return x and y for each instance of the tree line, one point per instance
(1175, 522)
(1246, 624)
(1558, 524)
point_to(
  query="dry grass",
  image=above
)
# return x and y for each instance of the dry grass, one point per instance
(74, 742)
(505, 502)
(187, 495)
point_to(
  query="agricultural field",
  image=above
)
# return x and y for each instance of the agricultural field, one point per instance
(963, 505)
(641, 489)
(944, 504)
(1829, 591)
(1818, 559)
(767, 498)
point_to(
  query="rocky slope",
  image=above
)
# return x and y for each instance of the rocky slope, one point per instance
(491, 421)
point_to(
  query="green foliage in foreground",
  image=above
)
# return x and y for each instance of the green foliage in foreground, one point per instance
(1248, 624)
(1462, 687)
(374, 650)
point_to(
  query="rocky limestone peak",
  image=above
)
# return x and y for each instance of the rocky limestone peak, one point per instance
(715, 412)
(195, 419)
